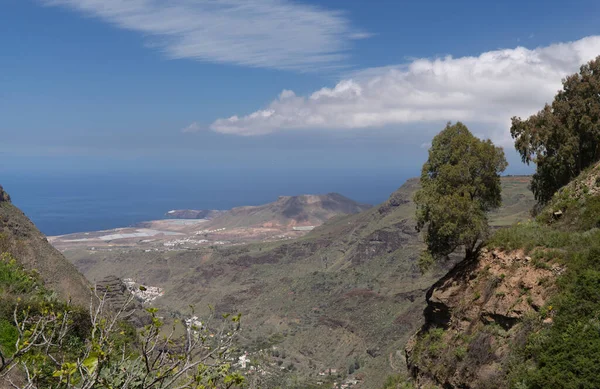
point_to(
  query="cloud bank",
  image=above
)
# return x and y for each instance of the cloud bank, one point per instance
(488, 89)
(260, 33)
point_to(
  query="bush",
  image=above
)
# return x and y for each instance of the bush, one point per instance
(8, 337)
(398, 382)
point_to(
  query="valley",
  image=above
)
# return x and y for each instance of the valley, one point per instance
(344, 297)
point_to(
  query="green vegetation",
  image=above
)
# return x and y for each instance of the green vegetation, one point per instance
(460, 185)
(564, 354)
(398, 382)
(562, 139)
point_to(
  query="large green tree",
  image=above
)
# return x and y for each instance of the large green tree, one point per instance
(460, 185)
(563, 138)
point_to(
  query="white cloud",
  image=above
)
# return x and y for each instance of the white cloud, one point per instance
(260, 33)
(194, 127)
(487, 89)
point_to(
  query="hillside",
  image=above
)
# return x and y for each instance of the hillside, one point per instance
(525, 314)
(20, 237)
(349, 294)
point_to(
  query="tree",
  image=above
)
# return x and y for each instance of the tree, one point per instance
(563, 138)
(460, 184)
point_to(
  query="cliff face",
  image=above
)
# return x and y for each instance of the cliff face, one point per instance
(474, 316)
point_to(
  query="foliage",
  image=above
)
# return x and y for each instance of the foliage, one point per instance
(13, 280)
(563, 138)
(48, 344)
(8, 337)
(460, 185)
(430, 343)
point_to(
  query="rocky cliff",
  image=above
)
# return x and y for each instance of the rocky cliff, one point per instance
(474, 316)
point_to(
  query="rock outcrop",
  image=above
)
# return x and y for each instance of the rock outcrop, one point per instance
(4, 197)
(116, 294)
(474, 315)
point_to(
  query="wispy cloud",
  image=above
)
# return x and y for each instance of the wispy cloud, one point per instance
(260, 33)
(194, 127)
(488, 89)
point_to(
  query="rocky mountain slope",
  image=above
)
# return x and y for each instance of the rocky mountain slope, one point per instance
(20, 237)
(475, 315)
(346, 297)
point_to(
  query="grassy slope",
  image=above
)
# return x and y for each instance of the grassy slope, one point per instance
(517, 201)
(350, 290)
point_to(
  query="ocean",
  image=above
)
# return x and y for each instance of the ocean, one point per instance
(77, 202)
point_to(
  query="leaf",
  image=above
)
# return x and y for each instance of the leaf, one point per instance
(91, 362)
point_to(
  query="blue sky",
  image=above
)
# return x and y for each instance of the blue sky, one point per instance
(342, 84)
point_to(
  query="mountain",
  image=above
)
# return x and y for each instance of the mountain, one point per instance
(20, 237)
(289, 211)
(286, 211)
(344, 298)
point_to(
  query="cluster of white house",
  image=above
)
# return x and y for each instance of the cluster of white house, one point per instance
(189, 241)
(202, 232)
(145, 294)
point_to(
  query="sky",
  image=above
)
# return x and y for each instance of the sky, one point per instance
(102, 85)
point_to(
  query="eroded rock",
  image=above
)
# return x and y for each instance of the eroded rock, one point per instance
(480, 307)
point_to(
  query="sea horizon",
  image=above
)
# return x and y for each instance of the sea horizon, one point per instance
(81, 202)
